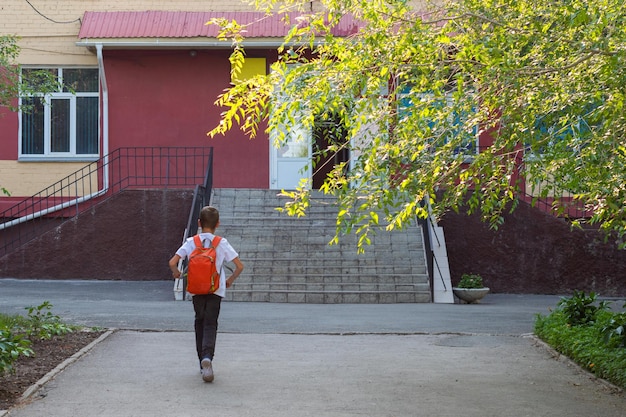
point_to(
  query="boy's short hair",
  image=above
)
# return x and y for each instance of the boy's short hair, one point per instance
(209, 216)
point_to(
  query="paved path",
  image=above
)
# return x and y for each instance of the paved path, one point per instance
(307, 360)
(149, 306)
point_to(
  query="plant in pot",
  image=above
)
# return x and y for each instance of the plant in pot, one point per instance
(470, 288)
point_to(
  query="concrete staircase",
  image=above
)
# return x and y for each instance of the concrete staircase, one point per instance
(289, 260)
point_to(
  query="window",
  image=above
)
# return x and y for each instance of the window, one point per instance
(61, 124)
(569, 127)
(464, 141)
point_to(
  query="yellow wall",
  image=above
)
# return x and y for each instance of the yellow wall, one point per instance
(251, 67)
(46, 42)
(534, 188)
(29, 178)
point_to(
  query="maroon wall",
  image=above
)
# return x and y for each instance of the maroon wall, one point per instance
(534, 252)
(8, 134)
(166, 98)
(8, 150)
(132, 235)
(129, 237)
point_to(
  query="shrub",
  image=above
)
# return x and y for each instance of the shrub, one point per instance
(580, 309)
(12, 346)
(16, 332)
(44, 324)
(470, 281)
(615, 330)
(594, 342)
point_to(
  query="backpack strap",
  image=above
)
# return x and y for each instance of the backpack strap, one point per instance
(216, 241)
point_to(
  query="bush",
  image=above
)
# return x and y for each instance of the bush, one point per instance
(43, 324)
(580, 309)
(470, 281)
(580, 332)
(615, 331)
(12, 346)
(16, 332)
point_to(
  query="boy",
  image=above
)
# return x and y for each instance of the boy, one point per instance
(207, 306)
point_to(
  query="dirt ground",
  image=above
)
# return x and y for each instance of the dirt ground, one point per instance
(48, 355)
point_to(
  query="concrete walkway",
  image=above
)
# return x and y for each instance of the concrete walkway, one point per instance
(307, 360)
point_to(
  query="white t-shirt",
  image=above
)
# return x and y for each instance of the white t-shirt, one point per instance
(224, 252)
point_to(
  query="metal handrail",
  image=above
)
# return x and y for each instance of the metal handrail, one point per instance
(561, 206)
(436, 263)
(431, 259)
(201, 198)
(124, 168)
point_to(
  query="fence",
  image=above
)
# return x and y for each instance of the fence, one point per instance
(124, 168)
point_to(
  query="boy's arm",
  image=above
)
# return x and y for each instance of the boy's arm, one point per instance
(236, 272)
(173, 263)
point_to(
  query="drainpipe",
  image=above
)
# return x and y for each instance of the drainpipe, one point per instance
(105, 119)
(105, 152)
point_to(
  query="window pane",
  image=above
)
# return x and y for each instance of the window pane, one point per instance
(87, 125)
(296, 144)
(81, 80)
(60, 125)
(32, 126)
(39, 79)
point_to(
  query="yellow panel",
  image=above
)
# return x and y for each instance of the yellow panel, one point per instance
(24, 179)
(251, 67)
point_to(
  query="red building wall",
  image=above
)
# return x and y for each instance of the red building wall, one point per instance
(166, 98)
(8, 134)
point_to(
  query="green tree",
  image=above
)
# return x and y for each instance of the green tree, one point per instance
(412, 86)
(13, 83)
(8, 74)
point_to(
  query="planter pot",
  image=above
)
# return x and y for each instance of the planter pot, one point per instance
(470, 295)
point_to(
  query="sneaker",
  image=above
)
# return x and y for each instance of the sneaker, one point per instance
(207, 370)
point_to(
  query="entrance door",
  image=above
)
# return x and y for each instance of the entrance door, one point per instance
(291, 162)
(330, 138)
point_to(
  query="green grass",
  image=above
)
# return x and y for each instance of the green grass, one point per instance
(597, 345)
(12, 321)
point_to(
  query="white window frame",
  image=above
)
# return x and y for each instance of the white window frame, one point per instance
(48, 154)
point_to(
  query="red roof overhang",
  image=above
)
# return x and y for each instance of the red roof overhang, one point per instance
(175, 28)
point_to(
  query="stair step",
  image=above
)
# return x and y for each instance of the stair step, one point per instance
(322, 271)
(289, 259)
(330, 297)
(389, 279)
(335, 286)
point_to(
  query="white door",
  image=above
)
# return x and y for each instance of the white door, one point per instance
(290, 156)
(291, 163)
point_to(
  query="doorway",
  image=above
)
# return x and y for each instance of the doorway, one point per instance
(329, 148)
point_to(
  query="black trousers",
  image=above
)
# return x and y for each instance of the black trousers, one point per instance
(207, 309)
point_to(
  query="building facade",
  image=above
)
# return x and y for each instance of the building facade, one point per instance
(144, 73)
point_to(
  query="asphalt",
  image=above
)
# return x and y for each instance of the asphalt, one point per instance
(305, 359)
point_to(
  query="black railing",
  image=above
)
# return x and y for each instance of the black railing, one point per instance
(430, 254)
(201, 198)
(562, 204)
(124, 168)
(544, 196)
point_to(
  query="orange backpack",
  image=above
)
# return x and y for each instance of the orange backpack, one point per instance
(202, 274)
